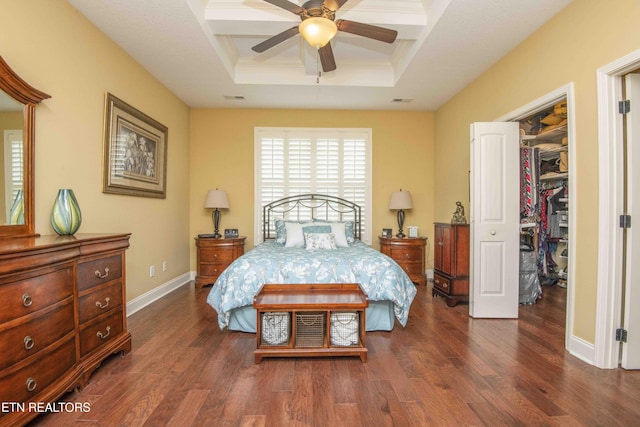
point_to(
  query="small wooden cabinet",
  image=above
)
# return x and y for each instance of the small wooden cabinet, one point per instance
(409, 253)
(451, 262)
(62, 313)
(214, 255)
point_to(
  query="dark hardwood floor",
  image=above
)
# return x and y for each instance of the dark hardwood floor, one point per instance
(444, 368)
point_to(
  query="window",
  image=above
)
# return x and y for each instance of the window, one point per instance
(13, 168)
(292, 161)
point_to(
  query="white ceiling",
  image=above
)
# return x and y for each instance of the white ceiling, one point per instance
(201, 49)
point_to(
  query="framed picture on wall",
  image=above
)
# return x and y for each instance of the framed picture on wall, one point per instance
(135, 152)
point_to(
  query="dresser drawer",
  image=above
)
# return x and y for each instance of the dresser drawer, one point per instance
(99, 301)
(217, 255)
(406, 254)
(441, 283)
(98, 333)
(25, 383)
(35, 293)
(99, 271)
(29, 338)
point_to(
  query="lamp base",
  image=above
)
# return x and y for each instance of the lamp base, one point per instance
(216, 224)
(400, 216)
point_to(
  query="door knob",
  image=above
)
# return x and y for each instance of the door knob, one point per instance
(493, 232)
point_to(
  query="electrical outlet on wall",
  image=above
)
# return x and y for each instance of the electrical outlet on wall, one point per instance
(164, 265)
(152, 270)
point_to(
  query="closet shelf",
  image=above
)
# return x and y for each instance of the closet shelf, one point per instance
(551, 176)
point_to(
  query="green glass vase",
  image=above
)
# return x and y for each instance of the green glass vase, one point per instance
(65, 214)
(16, 213)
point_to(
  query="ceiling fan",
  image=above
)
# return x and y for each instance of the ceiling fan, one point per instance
(318, 27)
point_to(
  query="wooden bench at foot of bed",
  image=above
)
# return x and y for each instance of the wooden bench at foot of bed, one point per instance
(310, 320)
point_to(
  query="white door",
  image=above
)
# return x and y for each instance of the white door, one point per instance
(495, 220)
(630, 358)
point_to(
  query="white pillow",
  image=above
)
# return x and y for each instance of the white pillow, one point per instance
(295, 238)
(338, 230)
(319, 241)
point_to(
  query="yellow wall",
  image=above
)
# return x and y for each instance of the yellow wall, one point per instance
(58, 51)
(222, 157)
(585, 36)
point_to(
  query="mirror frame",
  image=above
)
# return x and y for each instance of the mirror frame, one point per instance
(29, 96)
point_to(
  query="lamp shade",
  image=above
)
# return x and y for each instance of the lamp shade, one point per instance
(216, 199)
(317, 31)
(401, 200)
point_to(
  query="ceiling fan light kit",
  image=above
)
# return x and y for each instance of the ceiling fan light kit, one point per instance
(317, 31)
(319, 26)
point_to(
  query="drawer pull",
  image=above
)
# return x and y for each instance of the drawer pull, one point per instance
(26, 300)
(445, 285)
(106, 303)
(437, 281)
(102, 336)
(440, 243)
(29, 343)
(102, 276)
(31, 384)
(215, 256)
(407, 256)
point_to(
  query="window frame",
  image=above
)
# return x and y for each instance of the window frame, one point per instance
(315, 134)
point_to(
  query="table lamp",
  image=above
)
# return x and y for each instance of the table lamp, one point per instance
(400, 200)
(216, 199)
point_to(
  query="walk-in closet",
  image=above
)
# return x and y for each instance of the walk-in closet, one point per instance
(544, 202)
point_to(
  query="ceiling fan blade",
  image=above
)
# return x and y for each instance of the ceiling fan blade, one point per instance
(326, 58)
(365, 30)
(334, 4)
(275, 40)
(287, 5)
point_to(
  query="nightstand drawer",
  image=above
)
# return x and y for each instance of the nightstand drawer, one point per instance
(99, 271)
(217, 255)
(406, 254)
(441, 283)
(411, 267)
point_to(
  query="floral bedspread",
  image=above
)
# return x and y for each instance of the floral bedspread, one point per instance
(378, 275)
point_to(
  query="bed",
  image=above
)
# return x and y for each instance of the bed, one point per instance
(312, 238)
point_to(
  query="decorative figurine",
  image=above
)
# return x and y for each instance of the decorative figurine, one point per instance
(458, 215)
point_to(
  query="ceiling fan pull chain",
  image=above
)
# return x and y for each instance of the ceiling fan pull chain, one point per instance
(318, 68)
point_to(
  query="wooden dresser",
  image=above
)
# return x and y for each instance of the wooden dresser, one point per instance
(409, 253)
(62, 312)
(451, 262)
(214, 255)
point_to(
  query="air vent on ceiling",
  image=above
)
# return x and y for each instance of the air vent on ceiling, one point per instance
(402, 100)
(234, 97)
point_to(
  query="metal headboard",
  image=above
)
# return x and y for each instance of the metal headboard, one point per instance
(308, 207)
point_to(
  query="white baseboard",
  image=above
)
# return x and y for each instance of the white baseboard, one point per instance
(582, 349)
(156, 293)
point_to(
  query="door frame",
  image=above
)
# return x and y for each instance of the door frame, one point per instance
(574, 345)
(611, 199)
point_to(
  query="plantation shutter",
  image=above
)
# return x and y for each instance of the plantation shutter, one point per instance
(14, 166)
(295, 161)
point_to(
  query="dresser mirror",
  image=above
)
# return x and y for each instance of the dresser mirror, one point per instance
(18, 102)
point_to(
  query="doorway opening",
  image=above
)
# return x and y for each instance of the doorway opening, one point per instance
(546, 200)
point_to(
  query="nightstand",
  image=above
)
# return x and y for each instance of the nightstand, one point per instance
(409, 253)
(214, 255)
